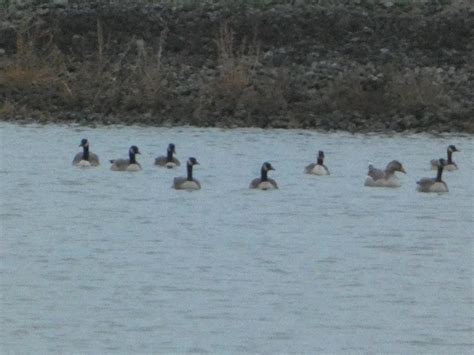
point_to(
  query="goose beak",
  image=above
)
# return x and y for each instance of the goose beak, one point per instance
(403, 170)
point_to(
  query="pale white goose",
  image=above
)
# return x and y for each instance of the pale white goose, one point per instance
(384, 178)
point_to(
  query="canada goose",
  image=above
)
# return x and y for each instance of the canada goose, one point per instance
(264, 182)
(434, 184)
(317, 168)
(85, 158)
(384, 178)
(450, 165)
(127, 164)
(188, 182)
(169, 161)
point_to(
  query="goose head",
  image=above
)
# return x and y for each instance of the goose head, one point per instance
(395, 165)
(452, 149)
(171, 148)
(267, 166)
(192, 161)
(134, 150)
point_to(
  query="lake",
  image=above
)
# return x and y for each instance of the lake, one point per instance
(97, 261)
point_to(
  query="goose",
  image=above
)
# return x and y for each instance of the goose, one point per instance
(127, 164)
(434, 184)
(384, 178)
(450, 165)
(317, 168)
(188, 182)
(169, 161)
(264, 182)
(85, 158)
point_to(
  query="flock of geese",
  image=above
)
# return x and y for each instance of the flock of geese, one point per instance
(375, 177)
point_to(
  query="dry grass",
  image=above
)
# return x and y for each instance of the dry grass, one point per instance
(124, 76)
(355, 91)
(37, 63)
(421, 87)
(129, 82)
(7, 108)
(105, 83)
(401, 89)
(236, 62)
(240, 90)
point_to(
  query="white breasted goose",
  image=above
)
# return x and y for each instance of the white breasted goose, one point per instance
(85, 158)
(188, 182)
(450, 165)
(434, 184)
(317, 168)
(129, 164)
(264, 182)
(169, 161)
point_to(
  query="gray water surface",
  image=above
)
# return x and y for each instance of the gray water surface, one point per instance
(96, 261)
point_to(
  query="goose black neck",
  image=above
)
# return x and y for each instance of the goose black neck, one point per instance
(320, 161)
(85, 152)
(132, 158)
(450, 156)
(169, 156)
(440, 173)
(264, 175)
(190, 172)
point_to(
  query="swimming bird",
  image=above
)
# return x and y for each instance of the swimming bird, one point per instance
(317, 168)
(384, 178)
(434, 184)
(169, 161)
(85, 158)
(450, 165)
(188, 182)
(130, 164)
(264, 182)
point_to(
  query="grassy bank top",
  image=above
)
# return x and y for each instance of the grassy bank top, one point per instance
(257, 4)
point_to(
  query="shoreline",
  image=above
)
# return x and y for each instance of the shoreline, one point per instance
(387, 133)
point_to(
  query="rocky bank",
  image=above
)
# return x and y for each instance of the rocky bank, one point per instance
(358, 68)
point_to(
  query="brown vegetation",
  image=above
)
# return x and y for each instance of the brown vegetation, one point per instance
(231, 72)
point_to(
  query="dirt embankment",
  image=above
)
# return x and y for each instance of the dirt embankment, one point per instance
(355, 68)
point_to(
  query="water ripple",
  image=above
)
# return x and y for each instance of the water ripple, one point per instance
(95, 261)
